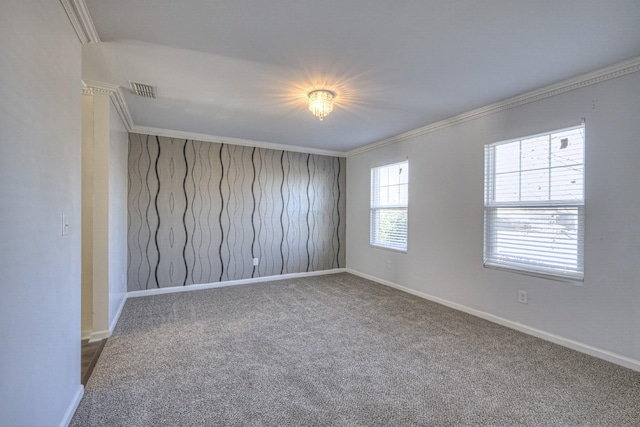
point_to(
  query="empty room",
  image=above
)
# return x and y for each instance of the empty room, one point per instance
(320, 213)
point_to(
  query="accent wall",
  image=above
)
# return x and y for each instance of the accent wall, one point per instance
(201, 212)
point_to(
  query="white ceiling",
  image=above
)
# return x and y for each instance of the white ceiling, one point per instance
(242, 68)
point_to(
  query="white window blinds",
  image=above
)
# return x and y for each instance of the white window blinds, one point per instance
(534, 204)
(389, 204)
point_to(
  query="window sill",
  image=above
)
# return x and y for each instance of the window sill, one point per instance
(388, 248)
(567, 279)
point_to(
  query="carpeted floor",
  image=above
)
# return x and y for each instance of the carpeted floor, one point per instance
(339, 350)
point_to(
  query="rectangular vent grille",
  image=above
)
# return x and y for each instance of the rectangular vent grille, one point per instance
(143, 90)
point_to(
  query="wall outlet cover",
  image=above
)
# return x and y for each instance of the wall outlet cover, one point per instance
(523, 297)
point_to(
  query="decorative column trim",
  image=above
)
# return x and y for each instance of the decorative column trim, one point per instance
(91, 87)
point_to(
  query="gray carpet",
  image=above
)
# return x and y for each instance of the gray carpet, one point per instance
(339, 350)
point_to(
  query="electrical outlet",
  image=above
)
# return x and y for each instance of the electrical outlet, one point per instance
(256, 261)
(523, 297)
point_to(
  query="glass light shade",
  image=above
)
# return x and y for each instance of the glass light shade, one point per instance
(321, 102)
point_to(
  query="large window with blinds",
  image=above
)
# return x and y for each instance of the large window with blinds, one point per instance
(534, 204)
(389, 205)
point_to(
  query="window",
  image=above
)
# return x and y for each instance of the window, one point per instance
(389, 202)
(534, 204)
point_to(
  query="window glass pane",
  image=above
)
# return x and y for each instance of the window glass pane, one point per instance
(394, 174)
(397, 195)
(404, 173)
(567, 148)
(391, 227)
(507, 157)
(535, 185)
(507, 187)
(567, 183)
(383, 198)
(383, 176)
(537, 236)
(535, 153)
(404, 194)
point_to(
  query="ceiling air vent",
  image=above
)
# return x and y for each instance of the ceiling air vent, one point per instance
(141, 89)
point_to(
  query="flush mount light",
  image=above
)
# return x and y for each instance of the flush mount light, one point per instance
(321, 102)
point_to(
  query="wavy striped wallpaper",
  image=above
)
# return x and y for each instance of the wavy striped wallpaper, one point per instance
(199, 212)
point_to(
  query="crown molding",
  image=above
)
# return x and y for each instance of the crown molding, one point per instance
(233, 141)
(91, 87)
(614, 71)
(81, 21)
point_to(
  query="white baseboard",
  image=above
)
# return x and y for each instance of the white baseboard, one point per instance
(173, 289)
(609, 356)
(99, 335)
(85, 335)
(73, 405)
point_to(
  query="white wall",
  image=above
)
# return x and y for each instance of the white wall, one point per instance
(444, 257)
(87, 215)
(100, 200)
(118, 187)
(105, 153)
(40, 102)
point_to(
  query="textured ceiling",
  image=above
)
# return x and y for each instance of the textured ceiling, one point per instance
(241, 69)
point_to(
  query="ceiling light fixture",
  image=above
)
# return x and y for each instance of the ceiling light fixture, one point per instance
(321, 102)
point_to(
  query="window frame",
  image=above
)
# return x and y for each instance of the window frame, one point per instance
(374, 240)
(491, 208)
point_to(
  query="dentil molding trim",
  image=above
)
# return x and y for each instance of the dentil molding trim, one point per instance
(90, 87)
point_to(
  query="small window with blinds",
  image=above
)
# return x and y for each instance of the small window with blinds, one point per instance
(534, 204)
(389, 205)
